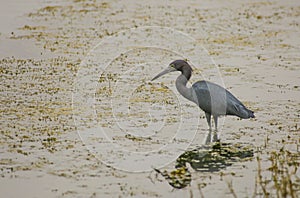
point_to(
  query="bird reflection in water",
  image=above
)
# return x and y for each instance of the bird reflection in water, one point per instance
(215, 101)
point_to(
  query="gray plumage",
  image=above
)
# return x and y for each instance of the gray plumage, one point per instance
(213, 99)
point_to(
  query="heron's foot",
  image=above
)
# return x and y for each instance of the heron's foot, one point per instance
(212, 136)
(208, 140)
(215, 137)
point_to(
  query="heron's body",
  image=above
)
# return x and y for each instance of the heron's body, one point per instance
(209, 94)
(213, 99)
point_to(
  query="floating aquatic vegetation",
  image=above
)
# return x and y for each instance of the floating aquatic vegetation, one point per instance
(178, 178)
(212, 158)
(284, 180)
(206, 158)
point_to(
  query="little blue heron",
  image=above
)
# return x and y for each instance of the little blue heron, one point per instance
(213, 99)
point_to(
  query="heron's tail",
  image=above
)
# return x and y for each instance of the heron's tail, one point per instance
(251, 114)
(241, 111)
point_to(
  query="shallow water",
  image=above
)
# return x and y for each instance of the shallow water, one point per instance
(80, 117)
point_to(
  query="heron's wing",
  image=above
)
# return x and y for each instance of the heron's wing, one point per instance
(203, 95)
(216, 100)
(212, 98)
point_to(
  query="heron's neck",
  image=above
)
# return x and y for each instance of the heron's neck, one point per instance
(188, 93)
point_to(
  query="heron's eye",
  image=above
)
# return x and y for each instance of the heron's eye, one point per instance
(172, 65)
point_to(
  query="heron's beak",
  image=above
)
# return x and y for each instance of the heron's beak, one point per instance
(167, 70)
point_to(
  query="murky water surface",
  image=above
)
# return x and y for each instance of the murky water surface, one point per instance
(81, 118)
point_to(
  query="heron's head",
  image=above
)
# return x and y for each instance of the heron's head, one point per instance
(177, 65)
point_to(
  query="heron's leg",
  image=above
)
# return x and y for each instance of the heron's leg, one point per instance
(208, 117)
(215, 135)
(216, 122)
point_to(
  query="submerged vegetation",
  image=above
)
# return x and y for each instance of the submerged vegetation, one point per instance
(283, 179)
(212, 158)
(206, 158)
(280, 179)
